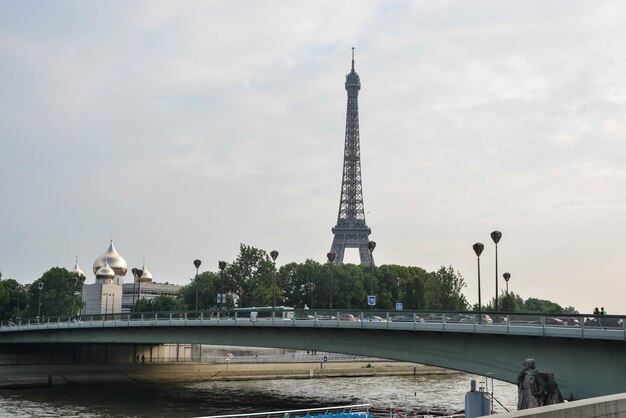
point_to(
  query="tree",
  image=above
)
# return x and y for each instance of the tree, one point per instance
(206, 285)
(541, 306)
(8, 303)
(250, 278)
(307, 283)
(445, 288)
(58, 293)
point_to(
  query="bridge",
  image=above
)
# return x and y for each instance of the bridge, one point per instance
(587, 355)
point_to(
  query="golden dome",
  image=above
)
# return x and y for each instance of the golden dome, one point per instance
(146, 276)
(105, 272)
(114, 261)
(77, 269)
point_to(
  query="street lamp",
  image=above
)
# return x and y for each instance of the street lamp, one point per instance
(135, 278)
(370, 246)
(274, 255)
(18, 289)
(331, 259)
(507, 276)
(478, 249)
(222, 266)
(398, 281)
(73, 295)
(495, 236)
(197, 263)
(40, 286)
(82, 285)
(106, 304)
(311, 289)
(139, 274)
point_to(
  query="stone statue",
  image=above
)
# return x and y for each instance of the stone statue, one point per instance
(530, 386)
(536, 389)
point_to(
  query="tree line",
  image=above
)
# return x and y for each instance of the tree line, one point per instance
(252, 279)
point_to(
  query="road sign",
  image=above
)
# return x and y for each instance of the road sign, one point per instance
(228, 356)
(399, 306)
(371, 300)
(325, 359)
(223, 297)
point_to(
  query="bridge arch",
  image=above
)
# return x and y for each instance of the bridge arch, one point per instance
(583, 367)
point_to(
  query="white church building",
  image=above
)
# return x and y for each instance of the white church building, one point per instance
(109, 294)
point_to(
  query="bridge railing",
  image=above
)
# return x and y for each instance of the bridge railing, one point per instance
(574, 326)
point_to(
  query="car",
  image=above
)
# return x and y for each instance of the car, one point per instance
(347, 317)
(479, 318)
(406, 319)
(375, 318)
(549, 321)
(459, 318)
(436, 318)
(570, 321)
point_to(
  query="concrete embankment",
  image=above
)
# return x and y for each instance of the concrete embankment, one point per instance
(42, 376)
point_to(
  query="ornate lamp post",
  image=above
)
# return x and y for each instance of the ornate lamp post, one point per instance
(495, 236)
(182, 301)
(106, 304)
(82, 285)
(139, 274)
(134, 271)
(370, 246)
(274, 255)
(73, 295)
(311, 289)
(40, 286)
(18, 289)
(478, 249)
(507, 276)
(398, 281)
(222, 266)
(331, 259)
(197, 263)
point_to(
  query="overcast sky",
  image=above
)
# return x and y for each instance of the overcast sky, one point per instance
(187, 128)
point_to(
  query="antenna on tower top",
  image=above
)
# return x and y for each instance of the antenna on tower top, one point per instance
(352, 58)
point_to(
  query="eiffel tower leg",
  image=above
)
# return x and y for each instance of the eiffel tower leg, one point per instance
(364, 252)
(338, 247)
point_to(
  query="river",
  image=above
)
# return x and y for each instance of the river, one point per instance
(437, 392)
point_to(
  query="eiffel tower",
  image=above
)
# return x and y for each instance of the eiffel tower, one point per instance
(351, 230)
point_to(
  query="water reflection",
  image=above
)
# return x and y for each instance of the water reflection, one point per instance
(213, 398)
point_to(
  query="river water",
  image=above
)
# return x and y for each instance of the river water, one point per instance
(435, 392)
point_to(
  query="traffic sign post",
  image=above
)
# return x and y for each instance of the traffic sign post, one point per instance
(371, 300)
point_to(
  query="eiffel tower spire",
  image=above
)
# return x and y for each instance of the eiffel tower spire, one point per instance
(351, 230)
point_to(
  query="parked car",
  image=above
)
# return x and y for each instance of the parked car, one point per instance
(347, 317)
(375, 318)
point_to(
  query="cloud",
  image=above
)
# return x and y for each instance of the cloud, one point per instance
(188, 128)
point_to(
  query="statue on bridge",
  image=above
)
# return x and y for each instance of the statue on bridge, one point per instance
(536, 389)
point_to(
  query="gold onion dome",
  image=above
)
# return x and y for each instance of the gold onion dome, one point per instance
(146, 276)
(105, 272)
(77, 269)
(114, 261)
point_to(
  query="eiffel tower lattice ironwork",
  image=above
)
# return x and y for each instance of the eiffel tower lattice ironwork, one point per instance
(351, 230)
